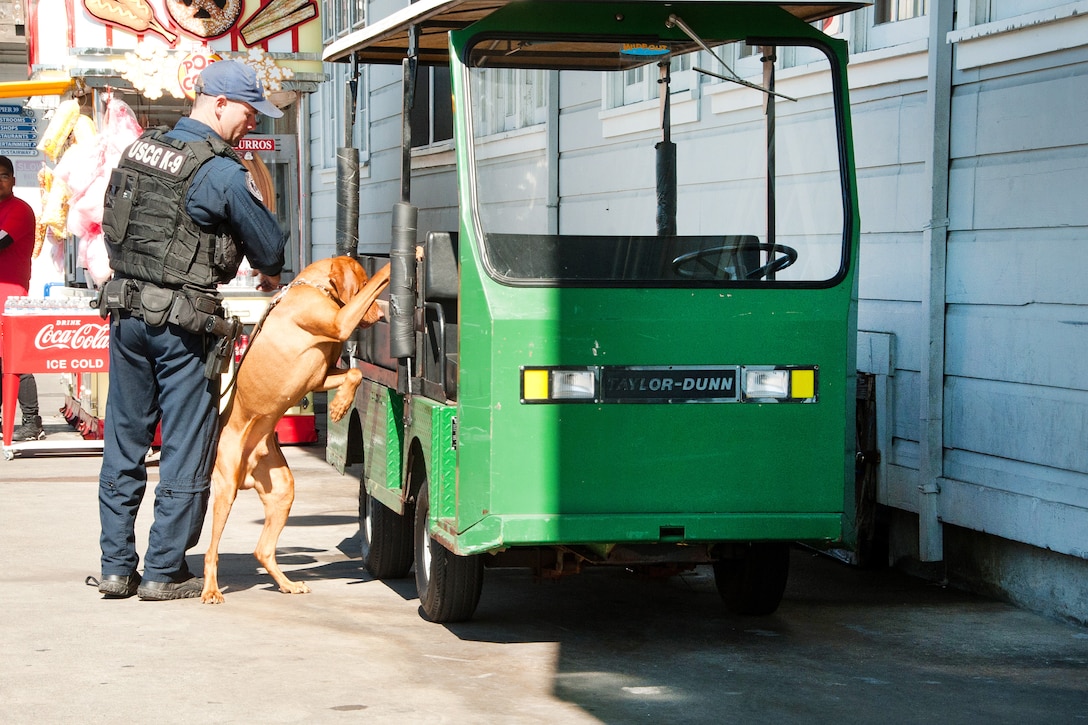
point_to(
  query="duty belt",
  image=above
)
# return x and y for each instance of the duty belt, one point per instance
(158, 305)
(199, 314)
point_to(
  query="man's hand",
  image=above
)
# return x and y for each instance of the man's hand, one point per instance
(267, 283)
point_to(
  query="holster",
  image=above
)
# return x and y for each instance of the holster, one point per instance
(226, 332)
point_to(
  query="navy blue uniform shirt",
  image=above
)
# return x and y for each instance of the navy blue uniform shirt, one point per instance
(220, 192)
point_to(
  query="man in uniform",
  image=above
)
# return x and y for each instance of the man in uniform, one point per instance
(180, 212)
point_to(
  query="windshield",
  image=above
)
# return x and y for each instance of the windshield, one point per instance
(588, 177)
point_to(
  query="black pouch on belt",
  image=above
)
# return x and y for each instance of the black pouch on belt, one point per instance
(156, 303)
(117, 295)
(191, 312)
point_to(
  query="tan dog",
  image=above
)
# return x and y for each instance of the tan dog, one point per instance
(294, 352)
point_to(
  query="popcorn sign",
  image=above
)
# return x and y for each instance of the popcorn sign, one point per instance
(189, 68)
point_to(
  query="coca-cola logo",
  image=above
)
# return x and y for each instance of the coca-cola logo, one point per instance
(86, 337)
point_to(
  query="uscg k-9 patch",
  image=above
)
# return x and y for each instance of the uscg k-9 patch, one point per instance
(156, 156)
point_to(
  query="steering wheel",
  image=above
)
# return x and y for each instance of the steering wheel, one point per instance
(686, 264)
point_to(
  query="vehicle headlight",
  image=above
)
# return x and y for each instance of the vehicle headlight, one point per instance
(776, 383)
(540, 385)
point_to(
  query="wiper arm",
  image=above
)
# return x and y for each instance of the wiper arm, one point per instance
(732, 77)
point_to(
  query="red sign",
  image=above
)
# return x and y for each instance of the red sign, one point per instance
(256, 143)
(49, 343)
(56, 343)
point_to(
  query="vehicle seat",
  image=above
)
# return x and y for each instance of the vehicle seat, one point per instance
(441, 282)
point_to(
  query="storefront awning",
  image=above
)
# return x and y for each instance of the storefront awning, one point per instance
(25, 89)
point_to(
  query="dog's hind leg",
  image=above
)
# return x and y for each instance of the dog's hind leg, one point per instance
(276, 486)
(224, 491)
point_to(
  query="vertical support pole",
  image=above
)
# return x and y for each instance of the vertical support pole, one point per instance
(347, 201)
(934, 256)
(553, 152)
(347, 177)
(768, 59)
(402, 254)
(409, 68)
(402, 282)
(666, 160)
(305, 241)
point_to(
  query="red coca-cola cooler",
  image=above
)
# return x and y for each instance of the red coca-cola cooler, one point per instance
(48, 336)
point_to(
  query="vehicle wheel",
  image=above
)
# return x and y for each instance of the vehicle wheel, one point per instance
(386, 538)
(449, 585)
(753, 581)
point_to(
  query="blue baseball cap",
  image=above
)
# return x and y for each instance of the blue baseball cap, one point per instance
(236, 81)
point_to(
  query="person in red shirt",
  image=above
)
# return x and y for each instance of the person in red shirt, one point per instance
(17, 224)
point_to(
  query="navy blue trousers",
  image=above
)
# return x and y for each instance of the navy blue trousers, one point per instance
(156, 374)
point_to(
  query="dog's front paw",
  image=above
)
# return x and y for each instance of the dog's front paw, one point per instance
(340, 405)
(211, 596)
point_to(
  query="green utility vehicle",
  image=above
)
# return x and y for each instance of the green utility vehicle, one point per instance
(637, 346)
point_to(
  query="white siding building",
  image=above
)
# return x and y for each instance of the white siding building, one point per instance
(972, 154)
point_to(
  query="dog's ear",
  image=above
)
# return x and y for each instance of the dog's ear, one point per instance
(346, 278)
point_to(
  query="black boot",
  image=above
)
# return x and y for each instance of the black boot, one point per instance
(30, 430)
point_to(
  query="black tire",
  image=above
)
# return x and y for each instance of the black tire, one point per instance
(449, 585)
(753, 580)
(385, 538)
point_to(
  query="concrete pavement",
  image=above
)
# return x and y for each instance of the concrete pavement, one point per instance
(846, 645)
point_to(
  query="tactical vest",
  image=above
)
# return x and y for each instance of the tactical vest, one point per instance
(149, 235)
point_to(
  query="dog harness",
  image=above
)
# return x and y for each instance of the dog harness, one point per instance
(315, 285)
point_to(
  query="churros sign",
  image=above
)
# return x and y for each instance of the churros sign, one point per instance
(249, 22)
